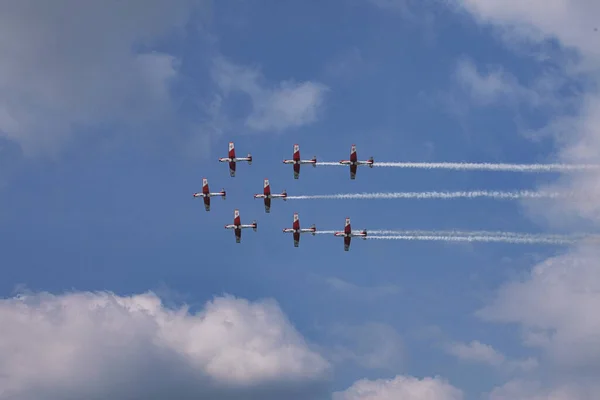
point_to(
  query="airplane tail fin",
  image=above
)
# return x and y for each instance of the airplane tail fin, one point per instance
(371, 162)
(365, 233)
(255, 225)
(314, 160)
(249, 159)
(284, 193)
(224, 193)
(314, 228)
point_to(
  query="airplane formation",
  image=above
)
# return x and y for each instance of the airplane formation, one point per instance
(267, 196)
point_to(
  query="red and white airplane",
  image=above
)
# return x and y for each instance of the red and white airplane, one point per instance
(267, 195)
(347, 234)
(297, 231)
(232, 159)
(296, 161)
(238, 226)
(354, 163)
(207, 194)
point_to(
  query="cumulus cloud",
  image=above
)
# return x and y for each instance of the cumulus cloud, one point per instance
(556, 306)
(100, 345)
(401, 387)
(69, 64)
(289, 104)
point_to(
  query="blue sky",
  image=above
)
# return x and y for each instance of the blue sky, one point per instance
(101, 151)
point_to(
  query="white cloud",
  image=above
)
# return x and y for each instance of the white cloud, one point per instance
(287, 105)
(555, 305)
(484, 353)
(66, 64)
(572, 22)
(401, 387)
(101, 345)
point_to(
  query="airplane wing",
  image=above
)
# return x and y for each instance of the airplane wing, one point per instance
(347, 241)
(353, 171)
(232, 169)
(238, 235)
(267, 205)
(296, 239)
(296, 171)
(207, 203)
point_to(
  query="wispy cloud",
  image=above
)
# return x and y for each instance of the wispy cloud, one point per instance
(274, 107)
(358, 292)
(478, 352)
(371, 345)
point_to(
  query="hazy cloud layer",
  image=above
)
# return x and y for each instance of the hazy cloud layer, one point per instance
(68, 64)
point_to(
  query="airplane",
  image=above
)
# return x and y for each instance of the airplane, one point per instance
(232, 159)
(268, 196)
(207, 194)
(297, 161)
(238, 226)
(354, 163)
(347, 234)
(297, 231)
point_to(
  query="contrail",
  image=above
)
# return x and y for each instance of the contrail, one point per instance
(434, 195)
(490, 166)
(506, 239)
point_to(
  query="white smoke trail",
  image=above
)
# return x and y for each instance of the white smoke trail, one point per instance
(576, 236)
(506, 239)
(434, 195)
(490, 166)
